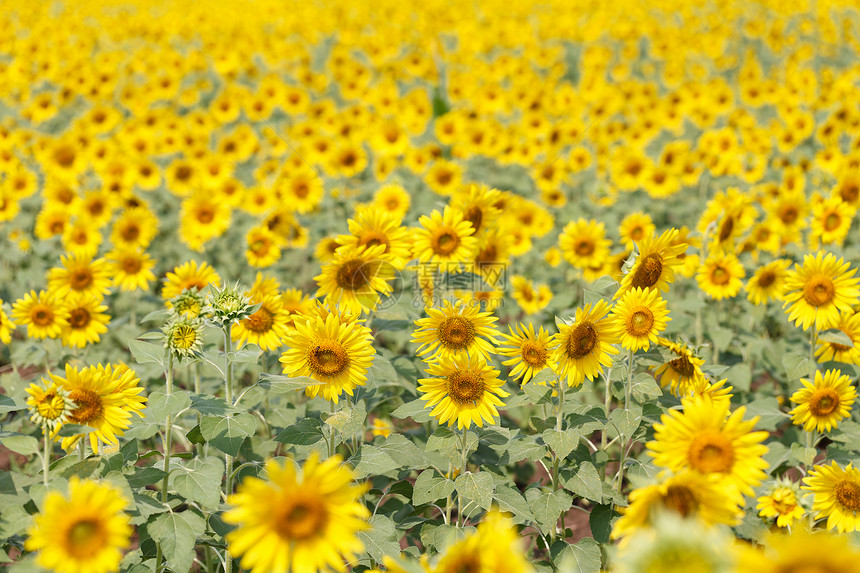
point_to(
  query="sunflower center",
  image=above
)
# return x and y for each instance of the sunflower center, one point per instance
(475, 216)
(329, 358)
(51, 406)
(446, 242)
(80, 279)
(301, 190)
(683, 366)
(710, 451)
(819, 291)
(584, 247)
(848, 494)
(184, 337)
(465, 387)
(720, 276)
(681, 499)
(640, 322)
(373, 238)
(648, 271)
(84, 538)
(726, 228)
(582, 340)
(79, 318)
(533, 353)
(304, 519)
(824, 402)
(260, 321)
(42, 316)
(456, 332)
(205, 215)
(351, 275)
(131, 232)
(766, 279)
(131, 265)
(89, 406)
(832, 222)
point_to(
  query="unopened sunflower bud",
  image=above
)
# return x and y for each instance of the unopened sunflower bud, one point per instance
(49, 404)
(183, 337)
(188, 304)
(228, 305)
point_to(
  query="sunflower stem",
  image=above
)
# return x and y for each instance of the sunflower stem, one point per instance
(607, 403)
(812, 338)
(331, 441)
(465, 460)
(629, 379)
(46, 457)
(83, 448)
(228, 390)
(448, 499)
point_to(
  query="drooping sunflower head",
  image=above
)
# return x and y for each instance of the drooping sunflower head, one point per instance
(824, 402)
(782, 502)
(455, 330)
(681, 374)
(819, 289)
(583, 348)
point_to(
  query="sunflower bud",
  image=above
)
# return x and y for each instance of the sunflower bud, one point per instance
(188, 304)
(49, 404)
(183, 337)
(228, 305)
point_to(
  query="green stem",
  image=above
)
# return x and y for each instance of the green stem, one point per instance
(228, 391)
(168, 430)
(463, 463)
(83, 448)
(812, 338)
(46, 456)
(623, 439)
(448, 499)
(331, 441)
(607, 403)
(629, 379)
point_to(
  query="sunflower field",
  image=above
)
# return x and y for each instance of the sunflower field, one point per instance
(433, 287)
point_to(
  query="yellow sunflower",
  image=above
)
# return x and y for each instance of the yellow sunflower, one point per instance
(356, 277)
(681, 374)
(800, 551)
(831, 221)
(782, 502)
(84, 532)
(42, 313)
(131, 268)
(392, 198)
(373, 226)
(531, 300)
(768, 282)
(336, 353)
(86, 322)
(444, 237)
(49, 404)
(302, 522)
(454, 331)
(6, 325)
(635, 227)
(638, 317)
(263, 247)
(463, 390)
(687, 493)
(583, 348)
(706, 439)
(836, 495)
(266, 328)
(188, 275)
(823, 403)
(495, 547)
(819, 289)
(529, 351)
(654, 267)
(583, 243)
(720, 276)
(849, 324)
(80, 274)
(134, 228)
(477, 203)
(297, 305)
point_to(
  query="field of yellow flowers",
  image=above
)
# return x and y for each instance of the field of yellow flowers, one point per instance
(489, 287)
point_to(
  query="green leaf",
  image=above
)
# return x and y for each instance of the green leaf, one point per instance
(416, 409)
(304, 433)
(581, 557)
(403, 451)
(429, 487)
(510, 499)
(586, 482)
(626, 421)
(801, 454)
(547, 506)
(199, 480)
(382, 373)
(477, 487)
(836, 336)
(645, 387)
(373, 461)
(285, 384)
(176, 534)
(562, 442)
(142, 477)
(160, 405)
(144, 352)
(381, 539)
(19, 443)
(538, 394)
(9, 404)
(227, 434)
(600, 520)
(797, 366)
(348, 421)
(210, 405)
(767, 409)
(69, 430)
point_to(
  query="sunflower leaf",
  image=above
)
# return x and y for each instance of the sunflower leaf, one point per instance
(303, 433)
(836, 336)
(176, 534)
(510, 499)
(547, 506)
(416, 409)
(586, 482)
(429, 488)
(200, 480)
(19, 443)
(600, 519)
(562, 442)
(581, 557)
(477, 487)
(227, 433)
(381, 539)
(144, 352)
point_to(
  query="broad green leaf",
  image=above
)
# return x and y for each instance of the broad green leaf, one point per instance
(581, 557)
(626, 421)
(403, 451)
(538, 394)
(211, 405)
(600, 520)
(227, 433)
(797, 366)
(547, 506)
(373, 461)
(348, 421)
(645, 387)
(9, 404)
(586, 482)
(176, 534)
(69, 430)
(303, 433)
(199, 480)
(802, 454)
(19, 443)
(142, 477)
(381, 539)
(160, 405)
(382, 373)
(144, 352)
(429, 487)
(285, 384)
(477, 487)
(416, 409)
(767, 409)
(836, 336)
(510, 499)
(562, 442)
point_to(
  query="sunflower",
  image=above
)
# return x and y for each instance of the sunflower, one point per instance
(781, 502)
(688, 493)
(654, 267)
(134, 228)
(638, 317)
(131, 268)
(477, 204)
(42, 313)
(720, 276)
(302, 190)
(831, 221)
(303, 522)
(49, 404)
(584, 244)
(84, 532)
(81, 239)
(823, 403)
(836, 495)
(392, 198)
(372, 226)
(582, 349)
(454, 331)
(463, 389)
(266, 327)
(819, 289)
(6, 325)
(202, 217)
(188, 275)
(297, 305)
(635, 227)
(801, 550)
(334, 352)
(87, 320)
(263, 247)
(104, 398)
(495, 547)
(529, 351)
(706, 439)
(356, 277)
(681, 374)
(849, 324)
(531, 300)
(444, 237)
(768, 282)
(80, 274)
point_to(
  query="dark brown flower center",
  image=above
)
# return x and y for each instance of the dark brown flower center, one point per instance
(581, 340)
(681, 499)
(848, 494)
(328, 358)
(710, 451)
(823, 402)
(89, 406)
(456, 332)
(465, 387)
(648, 271)
(819, 291)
